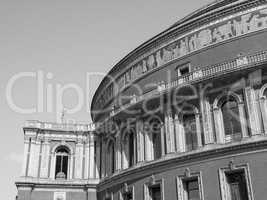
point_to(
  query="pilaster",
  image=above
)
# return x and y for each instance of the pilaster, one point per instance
(198, 129)
(79, 159)
(243, 121)
(92, 156)
(253, 111)
(87, 159)
(169, 128)
(34, 158)
(140, 140)
(103, 156)
(207, 120)
(44, 173)
(118, 151)
(148, 144)
(263, 106)
(98, 161)
(163, 139)
(26, 156)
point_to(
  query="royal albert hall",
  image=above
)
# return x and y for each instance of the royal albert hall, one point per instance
(184, 115)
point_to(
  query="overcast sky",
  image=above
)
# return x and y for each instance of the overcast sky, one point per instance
(65, 40)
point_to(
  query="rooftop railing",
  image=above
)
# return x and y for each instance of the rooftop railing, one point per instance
(59, 126)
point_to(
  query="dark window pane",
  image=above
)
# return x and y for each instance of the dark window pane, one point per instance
(237, 185)
(65, 165)
(61, 170)
(58, 164)
(131, 149)
(192, 189)
(155, 193)
(156, 139)
(184, 71)
(112, 157)
(128, 196)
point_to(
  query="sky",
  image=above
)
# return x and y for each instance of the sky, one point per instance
(66, 46)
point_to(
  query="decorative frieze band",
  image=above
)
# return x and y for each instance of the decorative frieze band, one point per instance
(227, 28)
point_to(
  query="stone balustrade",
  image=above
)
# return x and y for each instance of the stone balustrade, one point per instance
(59, 126)
(239, 63)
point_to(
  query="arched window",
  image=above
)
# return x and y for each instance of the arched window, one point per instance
(155, 127)
(111, 153)
(190, 131)
(231, 119)
(62, 162)
(131, 150)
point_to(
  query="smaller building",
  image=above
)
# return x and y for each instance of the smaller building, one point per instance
(59, 162)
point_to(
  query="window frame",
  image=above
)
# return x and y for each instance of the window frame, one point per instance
(231, 168)
(183, 66)
(187, 176)
(153, 183)
(62, 155)
(126, 190)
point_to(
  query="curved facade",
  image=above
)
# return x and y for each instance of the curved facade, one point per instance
(184, 115)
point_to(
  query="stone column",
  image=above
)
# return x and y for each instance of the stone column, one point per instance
(140, 140)
(163, 139)
(79, 158)
(87, 159)
(263, 106)
(26, 156)
(40, 157)
(180, 135)
(118, 151)
(103, 160)
(242, 116)
(34, 158)
(97, 158)
(198, 129)
(169, 130)
(207, 120)
(148, 145)
(45, 159)
(92, 156)
(253, 111)
(73, 160)
(52, 164)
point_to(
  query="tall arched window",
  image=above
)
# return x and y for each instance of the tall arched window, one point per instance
(155, 127)
(62, 162)
(131, 150)
(231, 119)
(190, 131)
(111, 153)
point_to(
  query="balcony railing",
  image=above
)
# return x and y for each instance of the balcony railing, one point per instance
(59, 126)
(241, 62)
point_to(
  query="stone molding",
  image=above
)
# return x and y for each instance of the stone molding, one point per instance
(172, 161)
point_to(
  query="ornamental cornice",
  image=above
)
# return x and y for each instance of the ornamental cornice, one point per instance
(45, 183)
(235, 11)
